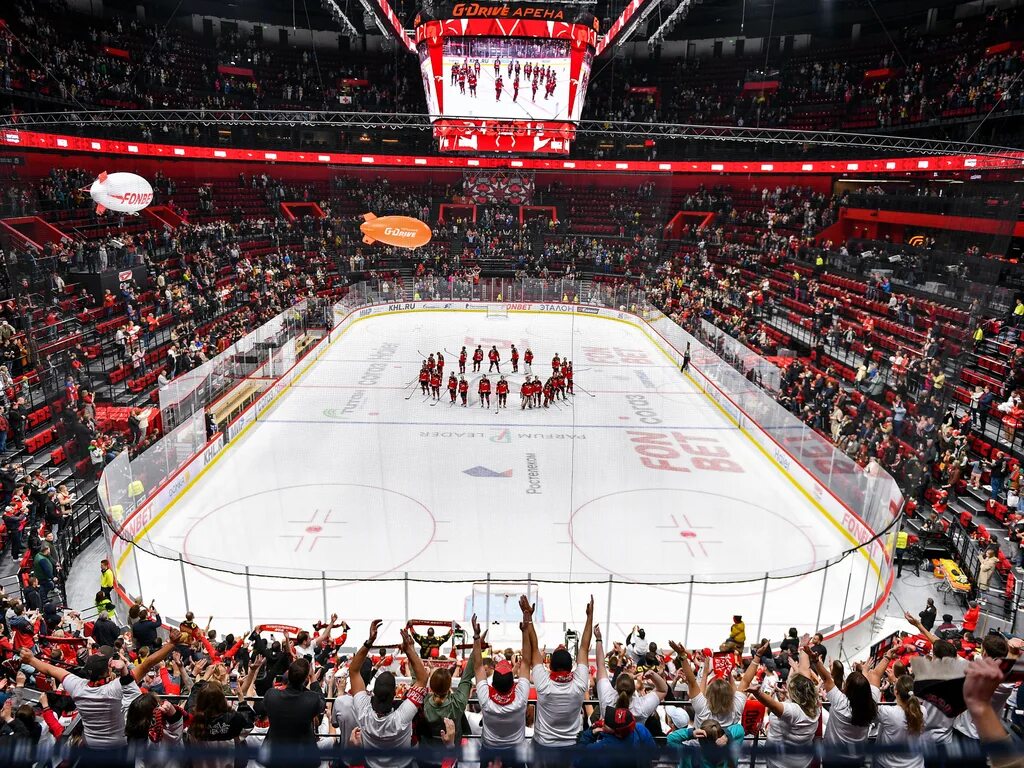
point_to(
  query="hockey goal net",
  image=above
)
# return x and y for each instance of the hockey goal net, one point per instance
(497, 310)
(496, 601)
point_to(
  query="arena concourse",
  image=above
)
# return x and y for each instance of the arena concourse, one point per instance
(530, 383)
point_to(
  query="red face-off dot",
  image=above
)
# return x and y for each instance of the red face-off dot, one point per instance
(314, 529)
(688, 534)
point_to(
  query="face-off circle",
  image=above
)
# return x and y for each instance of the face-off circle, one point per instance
(674, 533)
(311, 535)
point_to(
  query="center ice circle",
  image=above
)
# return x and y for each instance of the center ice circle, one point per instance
(298, 530)
(671, 534)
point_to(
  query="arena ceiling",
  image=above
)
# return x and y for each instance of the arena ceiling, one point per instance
(705, 20)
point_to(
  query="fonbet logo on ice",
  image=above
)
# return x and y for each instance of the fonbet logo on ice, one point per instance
(479, 471)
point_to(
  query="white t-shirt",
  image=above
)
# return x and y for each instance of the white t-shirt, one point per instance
(504, 725)
(641, 705)
(892, 729)
(559, 706)
(793, 727)
(964, 723)
(701, 712)
(390, 731)
(937, 726)
(839, 729)
(343, 717)
(100, 709)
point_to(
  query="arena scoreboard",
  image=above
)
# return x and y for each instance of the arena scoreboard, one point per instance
(505, 77)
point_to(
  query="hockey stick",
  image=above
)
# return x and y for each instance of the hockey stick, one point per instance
(581, 389)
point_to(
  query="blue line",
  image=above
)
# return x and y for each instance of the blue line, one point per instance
(517, 425)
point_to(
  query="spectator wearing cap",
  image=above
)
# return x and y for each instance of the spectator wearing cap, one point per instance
(444, 703)
(382, 725)
(99, 691)
(504, 699)
(560, 690)
(947, 627)
(617, 729)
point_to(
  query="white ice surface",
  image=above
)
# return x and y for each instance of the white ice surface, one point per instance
(346, 474)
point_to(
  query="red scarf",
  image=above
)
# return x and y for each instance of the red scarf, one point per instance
(561, 677)
(501, 699)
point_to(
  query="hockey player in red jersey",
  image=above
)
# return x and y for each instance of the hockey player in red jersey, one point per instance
(424, 379)
(528, 360)
(556, 363)
(435, 385)
(515, 359)
(495, 359)
(568, 378)
(478, 357)
(525, 394)
(538, 390)
(502, 389)
(498, 85)
(484, 390)
(440, 364)
(549, 392)
(463, 389)
(558, 380)
(462, 360)
(453, 385)
(431, 362)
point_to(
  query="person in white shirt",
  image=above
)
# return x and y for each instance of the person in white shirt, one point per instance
(641, 705)
(853, 708)
(382, 725)
(716, 699)
(560, 690)
(994, 646)
(901, 724)
(100, 696)
(503, 701)
(795, 721)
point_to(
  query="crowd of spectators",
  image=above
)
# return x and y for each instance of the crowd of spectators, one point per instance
(119, 679)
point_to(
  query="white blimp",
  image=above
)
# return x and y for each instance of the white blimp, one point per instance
(121, 192)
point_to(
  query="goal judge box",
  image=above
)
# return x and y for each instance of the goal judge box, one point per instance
(499, 601)
(505, 77)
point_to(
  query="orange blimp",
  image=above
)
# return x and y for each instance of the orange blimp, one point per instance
(400, 231)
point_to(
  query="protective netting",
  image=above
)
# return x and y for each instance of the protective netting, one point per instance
(839, 589)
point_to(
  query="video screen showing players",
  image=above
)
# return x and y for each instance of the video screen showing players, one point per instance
(506, 78)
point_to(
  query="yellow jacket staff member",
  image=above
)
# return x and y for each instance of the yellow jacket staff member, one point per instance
(106, 578)
(737, 635)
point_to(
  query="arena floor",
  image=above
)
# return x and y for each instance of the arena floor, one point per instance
(638, 477)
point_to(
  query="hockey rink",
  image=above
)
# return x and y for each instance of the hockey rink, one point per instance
(353, 481)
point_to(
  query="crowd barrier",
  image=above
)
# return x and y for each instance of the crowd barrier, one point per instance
(847, 587)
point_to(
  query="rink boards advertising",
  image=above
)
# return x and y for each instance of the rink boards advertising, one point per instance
(505, 77)
(666, 336)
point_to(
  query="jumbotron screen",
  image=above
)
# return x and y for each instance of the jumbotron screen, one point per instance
(504, 78)
(505, 83)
